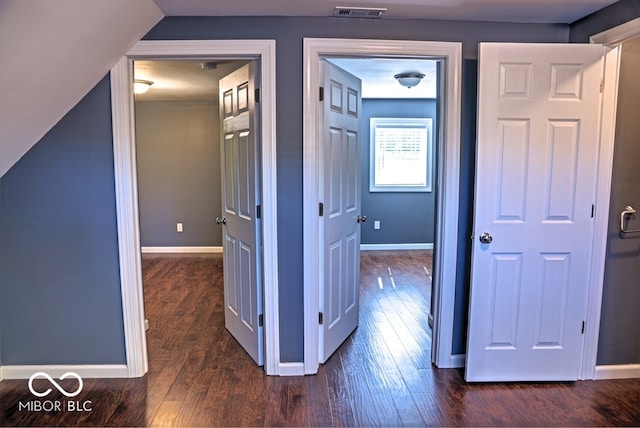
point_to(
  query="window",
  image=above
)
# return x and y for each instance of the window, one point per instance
(401, 155)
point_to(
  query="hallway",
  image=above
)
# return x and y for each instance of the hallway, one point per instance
(199, 376)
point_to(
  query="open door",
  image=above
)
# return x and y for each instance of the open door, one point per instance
(339, 207)
(538, 128)
(240, 159)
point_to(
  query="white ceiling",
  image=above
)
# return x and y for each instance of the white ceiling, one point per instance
(548, 11)
(378, 81)
(186, 80)
(182, 80)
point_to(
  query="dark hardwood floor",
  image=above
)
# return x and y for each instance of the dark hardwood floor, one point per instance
(382, 376)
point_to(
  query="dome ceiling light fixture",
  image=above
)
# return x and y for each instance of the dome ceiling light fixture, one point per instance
(141, 86)
(409, 79)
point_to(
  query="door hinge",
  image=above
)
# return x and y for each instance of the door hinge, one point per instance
(257, 95)
(320, 318)
(320, 209)
(593, 210)
(601, 84)
(260, 320)
(258, 211)
(583, 325)
(321, 94)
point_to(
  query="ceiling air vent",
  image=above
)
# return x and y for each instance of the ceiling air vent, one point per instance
(359, 12)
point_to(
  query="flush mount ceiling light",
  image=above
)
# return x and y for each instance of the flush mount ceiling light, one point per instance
(141, 86)
(409, 80)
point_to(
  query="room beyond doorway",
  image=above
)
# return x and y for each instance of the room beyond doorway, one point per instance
(315, 50)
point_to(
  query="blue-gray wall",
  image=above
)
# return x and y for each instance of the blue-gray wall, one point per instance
(606, 18)
(405, 217)
(60, 299)
(83, 280)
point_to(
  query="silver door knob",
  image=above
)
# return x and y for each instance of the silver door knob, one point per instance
(221, 220)
(362, 218)
(486, 238)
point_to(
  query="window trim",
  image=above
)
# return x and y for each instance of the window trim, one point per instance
(388, 122)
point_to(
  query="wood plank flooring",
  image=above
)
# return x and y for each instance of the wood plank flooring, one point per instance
(382, 376)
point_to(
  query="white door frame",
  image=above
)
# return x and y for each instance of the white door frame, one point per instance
(612, 39)
(124, 151)
(448, 178)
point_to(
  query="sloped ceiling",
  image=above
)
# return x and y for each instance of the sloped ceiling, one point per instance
(52, 54)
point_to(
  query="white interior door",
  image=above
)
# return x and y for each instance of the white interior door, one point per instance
(240, 200)
(538, 116)
(340, 207)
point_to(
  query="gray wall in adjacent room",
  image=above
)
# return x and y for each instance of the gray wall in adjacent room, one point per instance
(620, 323)
(178, 153)
(405, 217)
(60, 281)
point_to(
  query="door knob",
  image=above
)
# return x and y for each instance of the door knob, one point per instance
(221, 220)
(486, 238)
(362, 218)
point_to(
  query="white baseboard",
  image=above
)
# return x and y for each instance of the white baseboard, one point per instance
(86, 371)
(163, 250)
(457, 361)
(380, 247)
(291, 369)
(622, 371)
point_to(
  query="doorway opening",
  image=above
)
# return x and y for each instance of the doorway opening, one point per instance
(263, 52)
(449, 55)
(187, 177)
(397, 165)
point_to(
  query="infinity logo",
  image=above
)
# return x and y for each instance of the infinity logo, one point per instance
(54, 383)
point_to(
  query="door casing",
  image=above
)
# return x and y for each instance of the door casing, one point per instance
(612, 39)
(126, 184)
(448, 172)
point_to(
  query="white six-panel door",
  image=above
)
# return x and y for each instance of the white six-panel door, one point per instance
(240, 198)
(340, 192)
(538, 109)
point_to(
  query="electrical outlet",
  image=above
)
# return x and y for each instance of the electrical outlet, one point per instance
(376, 225)
(178, 227)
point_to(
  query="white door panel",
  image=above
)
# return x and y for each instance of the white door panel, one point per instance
(340, 190)
(538, 109)
(240, 197)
